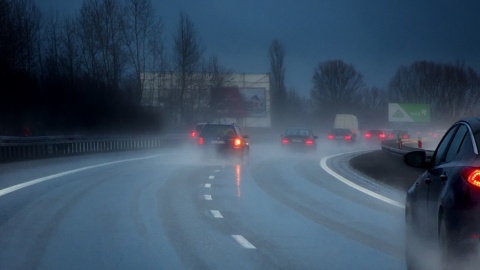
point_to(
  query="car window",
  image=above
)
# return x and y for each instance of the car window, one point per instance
(442, 147)
(456, 143)
(218, 130)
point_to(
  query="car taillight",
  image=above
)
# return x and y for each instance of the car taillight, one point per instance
(381, 135)
(331, 137)
(405, 136)
(472, 175)
(194, 134)
(368, 135)
(348, 137)
(237, 142)
(284, 141)
(309, 141)
(200, 140)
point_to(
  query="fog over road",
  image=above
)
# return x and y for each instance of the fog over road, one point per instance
(172, 209)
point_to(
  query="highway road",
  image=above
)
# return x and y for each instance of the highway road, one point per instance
(172, 209)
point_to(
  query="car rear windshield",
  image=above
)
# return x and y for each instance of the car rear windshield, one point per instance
(297, 132)
(340, 131)
(218, 131)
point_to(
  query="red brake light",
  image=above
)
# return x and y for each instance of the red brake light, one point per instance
(405, 136)
(200, 140)
(284, 141)
(331, 137)
(348, 137)
(368, 135)
(309, 141)
(381, 135)
(194, 134)
(472, 175)
(237, 142)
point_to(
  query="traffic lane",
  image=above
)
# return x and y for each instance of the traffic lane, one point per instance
(335, 221)
(96, 219)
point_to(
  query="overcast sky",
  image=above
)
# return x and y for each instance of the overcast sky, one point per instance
(376, 36)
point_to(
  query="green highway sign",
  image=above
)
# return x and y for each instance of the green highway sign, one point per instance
(408, 112)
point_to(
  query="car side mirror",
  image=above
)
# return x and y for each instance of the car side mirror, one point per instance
(417, 159)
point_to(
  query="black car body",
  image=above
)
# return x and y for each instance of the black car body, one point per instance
(375, 135)
(341, 134)
(299, 138)
(224, 139)
(443, 205)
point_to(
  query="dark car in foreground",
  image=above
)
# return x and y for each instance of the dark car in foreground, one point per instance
(443, 206)
(341, 134)
(299, 138)
(223, 139)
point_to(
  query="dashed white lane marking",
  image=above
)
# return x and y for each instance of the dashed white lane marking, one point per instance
(216, 214)
(211, 177)
(208, 197)
(323, 164)
(243, 242)
(11, 189)
(217, 171)
(208, 185)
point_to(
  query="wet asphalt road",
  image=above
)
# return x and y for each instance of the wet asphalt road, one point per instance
(171, 209)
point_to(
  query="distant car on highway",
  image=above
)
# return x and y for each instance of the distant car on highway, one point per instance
(375, 135)
(398, 134)
(342, 135)
(299, 138)
(223, 139)
(443, 205)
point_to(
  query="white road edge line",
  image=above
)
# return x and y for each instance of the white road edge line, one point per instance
(216, 214)
(243, 242)
(14, 188)
(323, 164)
(208, 185)
(208, 197)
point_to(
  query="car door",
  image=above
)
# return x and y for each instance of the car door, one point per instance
(445, 170)
(424, 184)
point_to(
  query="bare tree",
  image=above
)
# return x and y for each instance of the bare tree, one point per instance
(143, 36)
(187, 60)
(277, 80)
(335, 85)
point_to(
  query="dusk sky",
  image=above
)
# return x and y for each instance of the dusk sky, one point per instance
(376, 36)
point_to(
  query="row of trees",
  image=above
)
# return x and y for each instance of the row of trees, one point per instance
(452, 90)
(84, 71)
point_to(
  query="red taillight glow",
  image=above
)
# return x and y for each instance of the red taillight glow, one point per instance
(200, 140)
(381, 135)
(194, 134)
(331, 137)
(284, 141)
(237, 142)
(368, 135)
(348, 137)
(473, 176)
(405, 136)
(309, 141)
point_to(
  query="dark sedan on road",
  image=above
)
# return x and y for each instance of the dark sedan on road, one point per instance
(299, 138)
(341, 134)
(443, 205)
(223, 139)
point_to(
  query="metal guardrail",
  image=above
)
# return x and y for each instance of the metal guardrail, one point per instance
(21, 148)
(401, 148)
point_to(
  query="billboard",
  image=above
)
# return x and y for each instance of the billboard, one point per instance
(239, 102)
(408, 112)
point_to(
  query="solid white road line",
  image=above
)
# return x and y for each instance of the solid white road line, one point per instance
(243, 242)
(216, 214)
(208, 197)
(11, 189)
(208, 185)
(323, 164)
